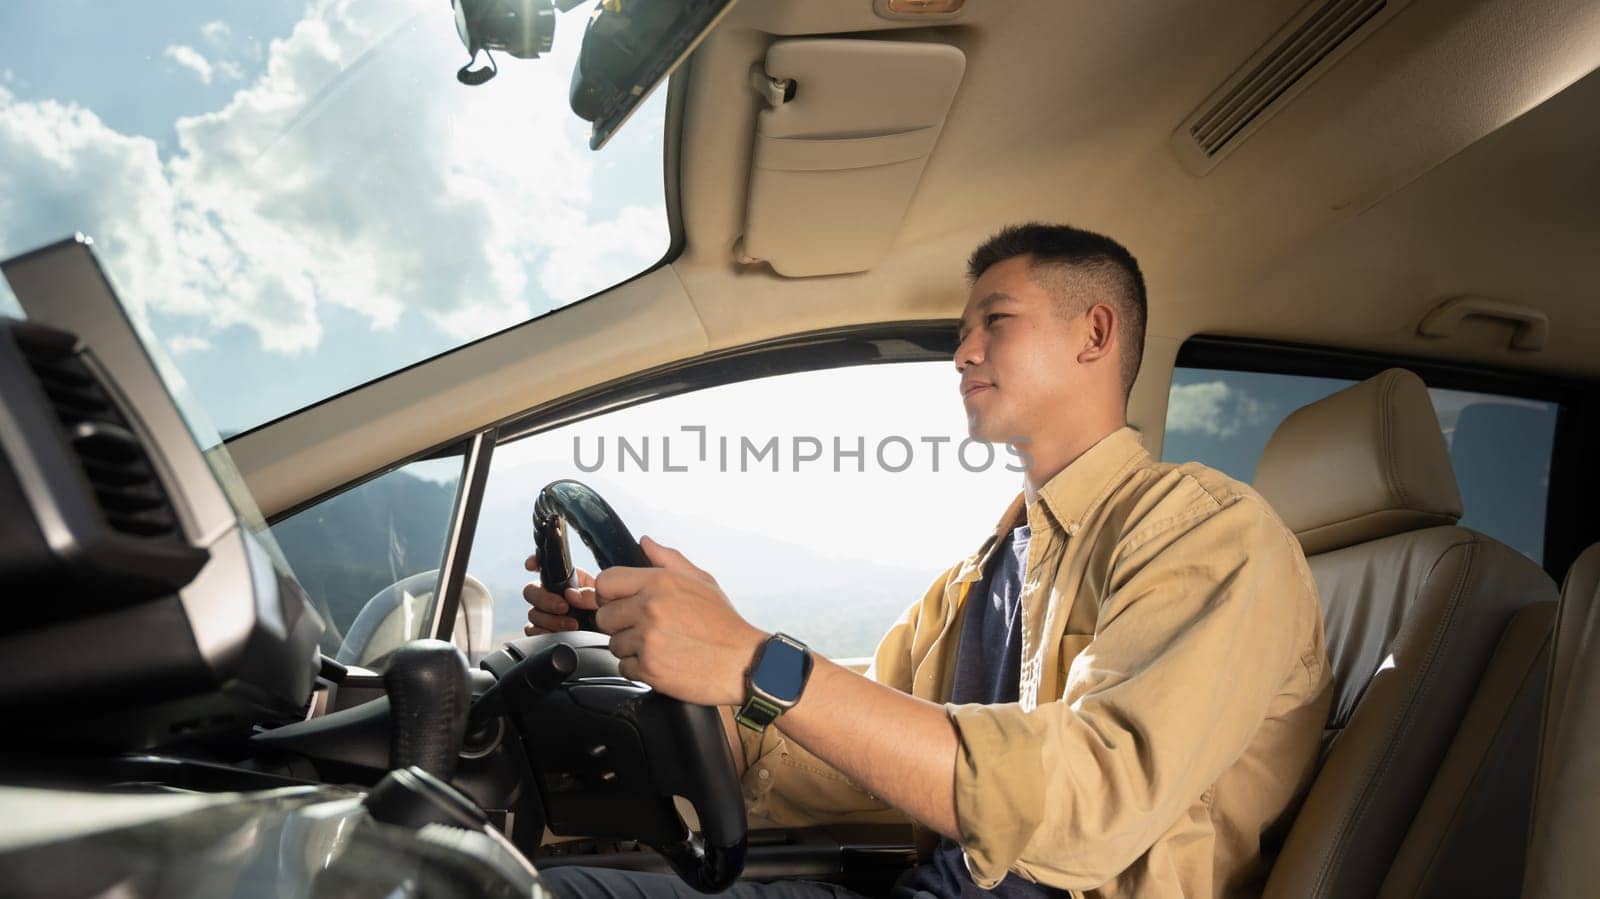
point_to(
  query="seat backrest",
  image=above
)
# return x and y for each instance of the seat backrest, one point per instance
(1413, 606)
(1470, 836)
(1562, 854)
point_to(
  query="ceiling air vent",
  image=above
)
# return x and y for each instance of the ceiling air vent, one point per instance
(1300, 52)
(125, 486)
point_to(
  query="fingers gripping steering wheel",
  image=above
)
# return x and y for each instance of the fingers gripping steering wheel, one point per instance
(610, 753)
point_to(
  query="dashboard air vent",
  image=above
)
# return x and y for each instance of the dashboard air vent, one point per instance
(1289, 62)
(125, 486)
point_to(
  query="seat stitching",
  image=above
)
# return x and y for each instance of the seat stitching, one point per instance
(1445, 521)
(1391, 469)
(1400, 719)
(1551, 719)
(1480, 770)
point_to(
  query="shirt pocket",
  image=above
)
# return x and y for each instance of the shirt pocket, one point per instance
(1068, 651)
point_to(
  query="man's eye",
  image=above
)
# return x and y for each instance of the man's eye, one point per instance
(993, 317)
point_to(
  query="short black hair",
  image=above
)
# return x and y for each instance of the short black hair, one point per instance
(1066, 246)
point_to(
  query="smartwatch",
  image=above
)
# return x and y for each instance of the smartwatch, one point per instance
(774, 681)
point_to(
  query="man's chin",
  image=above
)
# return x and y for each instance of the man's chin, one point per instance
(983, 431)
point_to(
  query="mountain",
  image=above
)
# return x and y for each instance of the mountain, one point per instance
(346, 549)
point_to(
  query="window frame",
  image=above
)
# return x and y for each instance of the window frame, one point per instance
(476, 451)
(880, 343)
(871, 344)
(883, 343)
(1577, 434)
(921, 340)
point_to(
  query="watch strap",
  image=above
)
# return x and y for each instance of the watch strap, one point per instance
(757, 713)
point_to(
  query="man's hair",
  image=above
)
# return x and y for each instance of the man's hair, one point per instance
(1104, 270)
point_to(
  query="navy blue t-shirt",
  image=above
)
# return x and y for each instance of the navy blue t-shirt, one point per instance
(989, 671)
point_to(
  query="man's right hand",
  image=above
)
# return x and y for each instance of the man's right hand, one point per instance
(549, 613)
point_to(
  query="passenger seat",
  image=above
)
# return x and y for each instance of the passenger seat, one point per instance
(1470, 837)
(1563, 855)
(1414, 608)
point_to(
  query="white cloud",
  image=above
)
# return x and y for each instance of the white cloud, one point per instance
(352, 172)
(63, 170)
(230, 68)
(187, 343)
(190, 58)
(1212, 408)
(603, 247)
(215, 32)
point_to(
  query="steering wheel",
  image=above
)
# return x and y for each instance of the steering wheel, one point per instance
(609, 754)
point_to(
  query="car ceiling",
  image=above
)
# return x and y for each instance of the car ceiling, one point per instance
(1451, 152)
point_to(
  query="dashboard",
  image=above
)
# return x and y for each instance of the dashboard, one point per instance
(147, 601)
(163, 685)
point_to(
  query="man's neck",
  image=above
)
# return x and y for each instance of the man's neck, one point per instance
(1046, 459)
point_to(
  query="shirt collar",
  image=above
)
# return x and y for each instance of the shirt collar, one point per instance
(1070, 496)
(1077, 490)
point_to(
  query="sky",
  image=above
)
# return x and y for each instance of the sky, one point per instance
(299, 197)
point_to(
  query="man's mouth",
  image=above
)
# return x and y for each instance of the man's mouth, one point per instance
(972, 388)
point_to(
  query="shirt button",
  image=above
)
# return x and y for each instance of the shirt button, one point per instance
(764, 774)
(1072, 529)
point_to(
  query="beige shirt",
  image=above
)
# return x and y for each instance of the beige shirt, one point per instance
(1173, 693)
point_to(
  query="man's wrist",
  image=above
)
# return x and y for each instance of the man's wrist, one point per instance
(775, 682)
(747, 655)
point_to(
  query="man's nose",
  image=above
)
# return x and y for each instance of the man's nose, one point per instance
(968, 352)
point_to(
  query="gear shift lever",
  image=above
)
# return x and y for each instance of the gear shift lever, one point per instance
(428, 703)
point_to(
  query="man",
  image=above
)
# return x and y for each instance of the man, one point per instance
(1121, 693)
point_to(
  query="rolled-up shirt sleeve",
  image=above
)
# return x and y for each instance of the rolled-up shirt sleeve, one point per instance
(787, 785)
(1196, 635)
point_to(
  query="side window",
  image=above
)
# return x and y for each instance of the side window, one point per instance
(1500, 446)
(1223, 418)
(824, 502)
(369, 557)
(1500, 449)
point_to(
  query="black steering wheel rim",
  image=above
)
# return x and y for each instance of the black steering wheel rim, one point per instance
(701, 769)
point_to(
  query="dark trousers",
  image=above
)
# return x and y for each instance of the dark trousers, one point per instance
(611, 883)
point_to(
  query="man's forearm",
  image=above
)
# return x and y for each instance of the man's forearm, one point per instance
(673, 628)
(899, 748)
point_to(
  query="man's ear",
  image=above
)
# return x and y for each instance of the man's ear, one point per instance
(1100, 339)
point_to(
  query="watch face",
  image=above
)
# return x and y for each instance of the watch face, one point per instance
(781, 671)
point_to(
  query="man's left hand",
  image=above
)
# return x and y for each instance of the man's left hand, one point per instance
(673, 628)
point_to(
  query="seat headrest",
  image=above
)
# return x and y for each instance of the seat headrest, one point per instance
(1364, 463)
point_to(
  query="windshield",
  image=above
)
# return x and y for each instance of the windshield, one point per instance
(297, 198)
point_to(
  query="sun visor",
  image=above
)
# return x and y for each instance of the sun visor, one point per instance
(840, 148)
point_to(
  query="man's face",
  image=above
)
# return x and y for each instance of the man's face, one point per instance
(1017, 357)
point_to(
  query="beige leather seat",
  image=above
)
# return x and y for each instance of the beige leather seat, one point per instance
(1470, 836)
(1414, 609)
(1564, 853)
